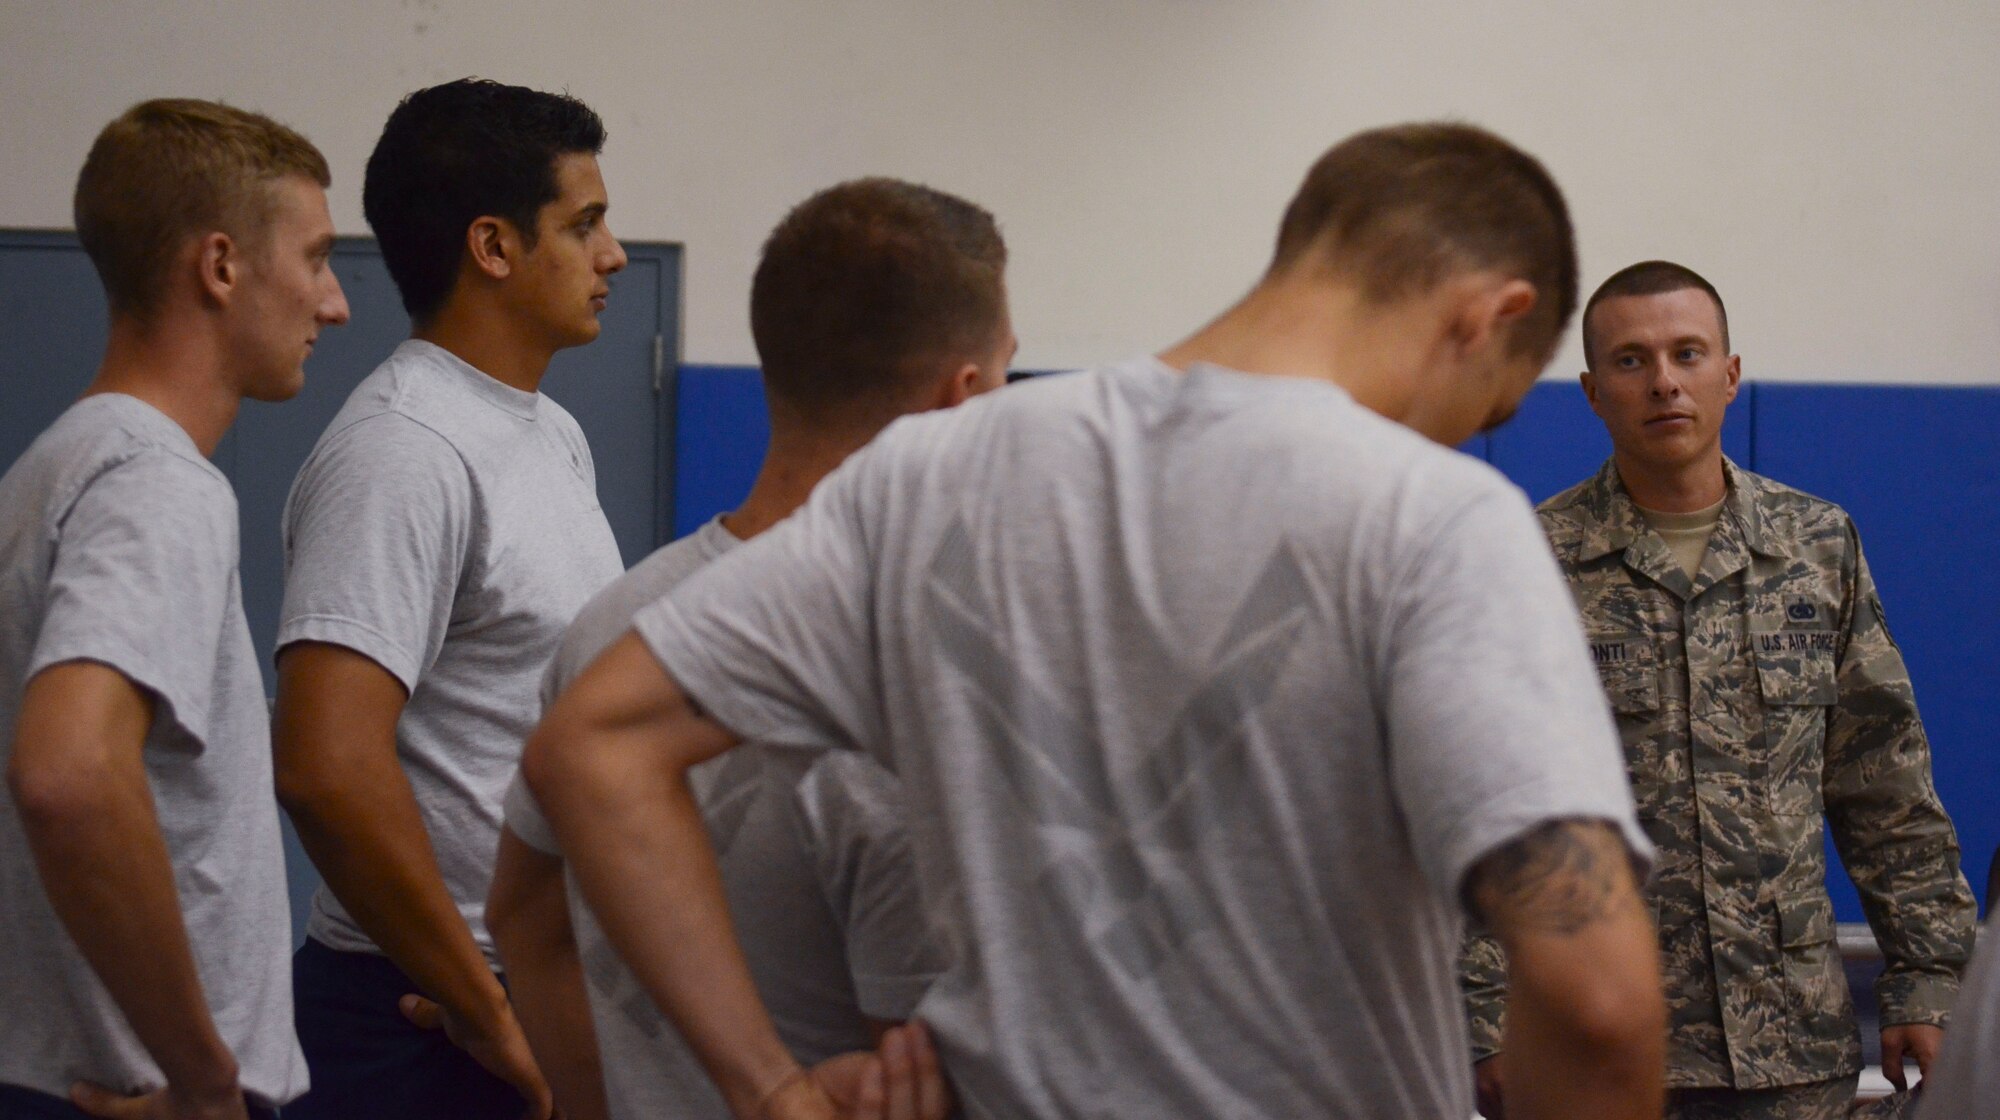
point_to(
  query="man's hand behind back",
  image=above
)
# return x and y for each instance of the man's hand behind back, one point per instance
(500, 1048)
(161, 1104)
(899, 1081)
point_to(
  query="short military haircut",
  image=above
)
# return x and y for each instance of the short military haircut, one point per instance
(172, 169)
(866, 287)
(1649, 278)
(1400, 209)
(461, 151)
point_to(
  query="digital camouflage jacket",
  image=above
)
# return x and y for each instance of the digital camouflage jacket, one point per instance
(1754, 703)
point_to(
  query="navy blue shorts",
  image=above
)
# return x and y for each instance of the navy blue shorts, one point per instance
(368, 1061)
(17, 1103)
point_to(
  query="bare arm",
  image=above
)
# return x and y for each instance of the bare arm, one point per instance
(609, 768)
(528, 912)
(334, 734)
(78, 777)
(1585, 1021)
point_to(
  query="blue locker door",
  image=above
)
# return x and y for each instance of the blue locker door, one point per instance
(52, 331)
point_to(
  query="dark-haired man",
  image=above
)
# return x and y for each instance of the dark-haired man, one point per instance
(1741, 643)
(1210, 722)
(439, 537)
(144, 931)
(872, 300)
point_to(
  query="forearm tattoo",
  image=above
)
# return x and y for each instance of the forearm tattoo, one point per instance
(1560, 878)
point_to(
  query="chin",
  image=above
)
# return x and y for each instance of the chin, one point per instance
(275, 389)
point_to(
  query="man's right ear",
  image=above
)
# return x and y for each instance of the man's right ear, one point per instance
(961, 386)
(492, 245)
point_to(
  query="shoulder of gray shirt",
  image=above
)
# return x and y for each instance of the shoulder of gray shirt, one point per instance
(608, 615)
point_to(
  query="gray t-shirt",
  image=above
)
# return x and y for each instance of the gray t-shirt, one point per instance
(118, 544)
(815, 863)
(446, 526)
(1205, 691)
(1965, 1082)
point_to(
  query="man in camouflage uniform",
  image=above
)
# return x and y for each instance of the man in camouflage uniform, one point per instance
(1740, 641)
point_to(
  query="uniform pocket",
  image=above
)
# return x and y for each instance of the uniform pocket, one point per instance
(1626, 668)
(1796, 680)
(1805, 919)
(1814, 981)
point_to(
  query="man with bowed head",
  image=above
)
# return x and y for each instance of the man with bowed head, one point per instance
(1211, 726)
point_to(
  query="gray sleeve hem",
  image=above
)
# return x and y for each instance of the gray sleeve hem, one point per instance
(1515, 813)
(191, 718)
(523, 817)
(357, 636)
(664, 630)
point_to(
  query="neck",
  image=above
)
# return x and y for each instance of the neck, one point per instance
(490, 340)
(179, 372)
(1684, 489)
(1323, 331)
(794, 465)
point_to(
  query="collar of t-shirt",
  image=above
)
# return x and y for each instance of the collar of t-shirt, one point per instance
(1686, 534)
(485, 386)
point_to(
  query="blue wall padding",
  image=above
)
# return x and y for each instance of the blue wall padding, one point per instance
(720, 438)
(1555, 441)
(1919, 470)
(1917, 466)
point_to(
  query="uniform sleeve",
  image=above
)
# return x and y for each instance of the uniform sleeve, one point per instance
(1496, 722)
(376, 536)
(861, 850)
(775, 639)
(1482, 976)
(144, 568)
(1887, 822)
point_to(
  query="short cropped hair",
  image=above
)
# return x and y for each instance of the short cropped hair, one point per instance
(1400, 209)
(1649, 278)
(865, 286)
(174, 168)
(457, 152)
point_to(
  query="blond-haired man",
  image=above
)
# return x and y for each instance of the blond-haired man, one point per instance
(144, 931)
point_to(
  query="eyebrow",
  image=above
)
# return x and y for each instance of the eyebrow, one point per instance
(591, 210)
(1674, 344)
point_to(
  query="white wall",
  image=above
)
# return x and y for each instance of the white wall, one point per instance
(1830, 164)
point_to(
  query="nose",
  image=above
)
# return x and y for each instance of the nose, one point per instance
(333, 309)
(617, 258)
(1664, 382)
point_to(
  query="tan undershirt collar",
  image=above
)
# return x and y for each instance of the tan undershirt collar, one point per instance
(1686, 534)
